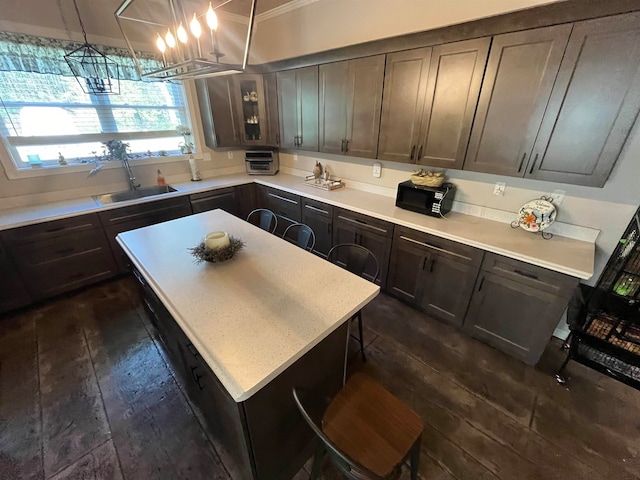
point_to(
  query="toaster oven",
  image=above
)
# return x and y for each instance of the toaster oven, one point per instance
(261, 162)
(434, 201)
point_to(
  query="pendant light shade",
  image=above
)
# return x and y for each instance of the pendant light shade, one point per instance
(193, 38)
(96, 73)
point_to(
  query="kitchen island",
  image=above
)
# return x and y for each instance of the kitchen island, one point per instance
(245, 331)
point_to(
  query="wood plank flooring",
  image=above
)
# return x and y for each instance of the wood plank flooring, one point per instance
(87, 392)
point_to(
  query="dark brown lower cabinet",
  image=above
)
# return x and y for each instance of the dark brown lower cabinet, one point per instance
(224, 198)
(319, 216)
(284, 204)
(136, 216)
(263, 437)
(371, 233)
(515, 306)
(433, 274)
(13, 293)
(246, 199)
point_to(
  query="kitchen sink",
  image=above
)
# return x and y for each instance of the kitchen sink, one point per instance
(133, 194)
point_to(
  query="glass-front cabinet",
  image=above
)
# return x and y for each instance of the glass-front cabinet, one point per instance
(250, 104)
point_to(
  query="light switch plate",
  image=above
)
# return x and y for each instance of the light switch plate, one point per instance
(230, 155)
(377, 170)
(498, 189)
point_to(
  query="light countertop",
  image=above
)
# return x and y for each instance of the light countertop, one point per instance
(561, 254)
(251, 317)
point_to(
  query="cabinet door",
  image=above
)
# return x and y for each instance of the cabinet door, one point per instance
(380, 246)
(517, 84)
(319, 216)
(405, 85)
(219, 119)
(594, 103)
(455, 75)
(251, 108)
(288, 108)
(286, 206)
(448, 285)
(272, 135)
(12, 294)
(247, 199)
(406, 267)
(366, 76)
(512, 316)
(334, 85)
(224, 198)
(307, 82)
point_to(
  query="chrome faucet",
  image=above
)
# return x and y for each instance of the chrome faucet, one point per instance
(131, 177)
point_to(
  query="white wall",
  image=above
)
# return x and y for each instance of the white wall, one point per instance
(327, 24)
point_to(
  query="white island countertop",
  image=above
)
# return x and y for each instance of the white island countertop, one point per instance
(561, 254)
(253, 316)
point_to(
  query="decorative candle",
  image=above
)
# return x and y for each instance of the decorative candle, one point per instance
(217, 240)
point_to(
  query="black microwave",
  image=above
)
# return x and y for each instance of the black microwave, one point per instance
(434, 201)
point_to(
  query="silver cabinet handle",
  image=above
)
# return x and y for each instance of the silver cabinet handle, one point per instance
(433, 247)
(361, 223)
(316, 209)
(535, 159)
(524, 155)
(283, 198)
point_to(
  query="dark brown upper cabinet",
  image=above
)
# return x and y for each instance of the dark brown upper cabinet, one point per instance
(516, 88)
(455, 76)
(272, 135)
(349, 106)
(429, 100)
(405, 86)
(249, 98)
(593, 105)
(298, 108)
(218, 111)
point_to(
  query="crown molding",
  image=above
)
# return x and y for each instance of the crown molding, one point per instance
(282, 9)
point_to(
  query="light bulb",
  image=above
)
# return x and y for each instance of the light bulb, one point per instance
(182, 34)
(160, 44)
(212, 18)
(171, 40)
(196, 29)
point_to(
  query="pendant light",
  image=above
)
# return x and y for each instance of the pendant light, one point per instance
(96, 73)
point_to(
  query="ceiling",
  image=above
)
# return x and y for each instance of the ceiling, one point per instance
(97, 15)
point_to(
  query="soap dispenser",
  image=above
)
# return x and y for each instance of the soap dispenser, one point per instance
(160, 178)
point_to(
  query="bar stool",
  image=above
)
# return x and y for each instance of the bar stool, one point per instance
(300, 234)
(356, 259)
(367, 432)
(266, 218)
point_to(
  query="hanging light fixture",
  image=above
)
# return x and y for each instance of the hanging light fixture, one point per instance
(95, 72)
(191, 36)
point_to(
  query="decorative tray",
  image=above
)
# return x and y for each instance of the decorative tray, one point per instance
(331, 184)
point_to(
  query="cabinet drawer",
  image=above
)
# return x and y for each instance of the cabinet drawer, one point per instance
(224, 198)
(537, 277)
(68, 274)
(313, 207)
(148, 213)
(439, 246)
(364, 222)
(55, 249)
(53, 229)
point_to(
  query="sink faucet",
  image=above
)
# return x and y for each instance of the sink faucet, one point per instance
(132, 178)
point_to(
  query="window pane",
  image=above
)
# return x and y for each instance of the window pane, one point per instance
(145, 120)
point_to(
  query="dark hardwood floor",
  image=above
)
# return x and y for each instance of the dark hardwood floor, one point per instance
(86, 392)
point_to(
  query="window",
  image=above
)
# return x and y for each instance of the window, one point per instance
(45, 116)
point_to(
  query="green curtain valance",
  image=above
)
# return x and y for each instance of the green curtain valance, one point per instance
(28, 53)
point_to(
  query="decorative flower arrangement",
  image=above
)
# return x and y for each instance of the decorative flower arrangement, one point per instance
(118, 150)
(202, 253)
(187, 145)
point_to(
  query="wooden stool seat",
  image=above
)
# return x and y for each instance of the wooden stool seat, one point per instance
(372, 426)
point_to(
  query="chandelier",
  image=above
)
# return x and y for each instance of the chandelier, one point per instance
(94, 71)
(193, 38)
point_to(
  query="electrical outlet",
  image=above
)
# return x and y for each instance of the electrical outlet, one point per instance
(206, 156)
(498, 189)
(230, 155)
(295, 157)
(377, 170)
(558, 197)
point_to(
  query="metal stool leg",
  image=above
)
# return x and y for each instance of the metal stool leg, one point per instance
(415, 458)
(317, 461)
(364, 358)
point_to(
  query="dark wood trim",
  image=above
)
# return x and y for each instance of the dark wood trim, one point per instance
(542, 16)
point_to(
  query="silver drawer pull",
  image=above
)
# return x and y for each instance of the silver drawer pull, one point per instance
(361, 223)
(316, 209)
(448, 252)
(283, 198)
